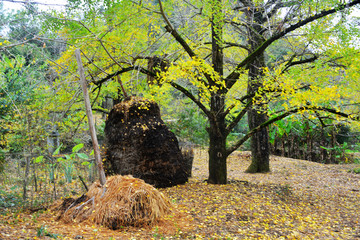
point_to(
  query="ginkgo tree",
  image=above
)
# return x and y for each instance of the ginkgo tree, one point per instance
(221, 54)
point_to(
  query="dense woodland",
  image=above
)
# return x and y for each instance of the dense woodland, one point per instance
(246, 83)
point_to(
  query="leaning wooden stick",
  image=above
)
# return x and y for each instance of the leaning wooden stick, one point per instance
(90, 119)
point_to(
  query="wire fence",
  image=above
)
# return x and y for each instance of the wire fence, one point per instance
(40, 183)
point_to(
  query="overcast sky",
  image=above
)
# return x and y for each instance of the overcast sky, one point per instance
(42, 4)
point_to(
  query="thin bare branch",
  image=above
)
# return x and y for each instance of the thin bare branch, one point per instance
(124, 70)
(16, 44)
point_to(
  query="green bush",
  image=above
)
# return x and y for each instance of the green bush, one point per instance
(356, 170)
(190, 125)
(10, 200)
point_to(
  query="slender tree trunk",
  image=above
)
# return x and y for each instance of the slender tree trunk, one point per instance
(27, 155)
(310, 148)
(291, 147)
(308, 142)
(323, 152)
(102, 177)
(298, 147)
(26, 174)
(275, 145)
(333, 144)
(283, 146)
(35, 179)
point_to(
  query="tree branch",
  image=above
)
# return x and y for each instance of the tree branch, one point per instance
(101, 110)
(236, 120)
(230, 44)
(232, 77)
(284, 115)
(192, 97)
(124, 70)
(17, 44)
(175, 34)
(293, 63)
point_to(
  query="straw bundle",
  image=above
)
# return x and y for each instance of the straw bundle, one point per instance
(125, 201)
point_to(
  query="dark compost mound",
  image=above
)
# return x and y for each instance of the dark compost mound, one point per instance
(140, 144)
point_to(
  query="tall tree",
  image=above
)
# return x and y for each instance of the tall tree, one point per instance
(257, 114)
(24, 78)
(218, 54)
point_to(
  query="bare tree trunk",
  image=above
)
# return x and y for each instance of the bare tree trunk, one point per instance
(333, 144)
(283, 151)
(90, 120)
(27, 156)
(275, 144)
(308, 143)
(26, 174)
(260, 151)
(260, 146)
(310, 148)
(217, 145)
(292, 150)
(217, 152)
(323, 154)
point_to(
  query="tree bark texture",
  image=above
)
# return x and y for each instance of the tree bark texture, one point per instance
(260, 146)
(260, 150)
(217, 136)
(217, 145)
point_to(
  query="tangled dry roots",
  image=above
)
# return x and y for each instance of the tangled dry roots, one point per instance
(126, 201)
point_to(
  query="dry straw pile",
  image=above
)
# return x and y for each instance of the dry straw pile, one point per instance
(126, 201)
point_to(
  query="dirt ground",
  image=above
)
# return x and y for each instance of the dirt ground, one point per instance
(296, 200)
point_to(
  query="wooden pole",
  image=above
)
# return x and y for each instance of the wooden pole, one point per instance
(90, 119)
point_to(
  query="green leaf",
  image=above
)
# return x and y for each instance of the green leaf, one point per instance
(39, 159)
(328, 149)
(77, 148)
(288, 127)
(82, 155)
(57, 151)
(85, 163)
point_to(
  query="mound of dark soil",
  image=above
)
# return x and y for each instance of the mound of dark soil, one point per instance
(140, 144)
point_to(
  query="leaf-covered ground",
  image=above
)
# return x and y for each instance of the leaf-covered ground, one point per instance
(297, 200)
